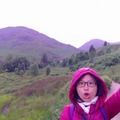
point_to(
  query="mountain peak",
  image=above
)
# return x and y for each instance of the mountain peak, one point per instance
(95, 42)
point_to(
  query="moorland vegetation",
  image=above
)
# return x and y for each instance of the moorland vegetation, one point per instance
(32, 90)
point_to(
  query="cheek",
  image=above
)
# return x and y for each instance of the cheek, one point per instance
(94, 91)
(79, 91)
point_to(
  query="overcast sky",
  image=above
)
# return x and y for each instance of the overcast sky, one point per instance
(69, 21)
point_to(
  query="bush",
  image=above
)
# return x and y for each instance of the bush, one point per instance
(116, 79)
(34, 70)
(108, 81)
(47, 70)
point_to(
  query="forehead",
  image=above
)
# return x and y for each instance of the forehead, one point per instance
(88, 77)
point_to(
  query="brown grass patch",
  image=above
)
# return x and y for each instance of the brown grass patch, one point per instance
(49, 85)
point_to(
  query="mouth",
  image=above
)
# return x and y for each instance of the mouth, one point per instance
(87, 95)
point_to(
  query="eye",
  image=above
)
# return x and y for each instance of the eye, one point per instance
(91, 83)
(81, 83)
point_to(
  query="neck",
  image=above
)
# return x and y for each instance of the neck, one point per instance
(86, 105)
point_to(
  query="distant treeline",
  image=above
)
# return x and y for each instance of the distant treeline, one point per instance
(97, 58)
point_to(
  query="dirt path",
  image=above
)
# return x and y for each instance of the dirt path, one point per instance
(114, 87)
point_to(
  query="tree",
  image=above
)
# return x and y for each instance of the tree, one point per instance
(81, 56)
(47, 70)
(71, 61)
(105, 43)
(92, 51)
(64, 62)
(44, 60)
(34, 70)
(20, 63)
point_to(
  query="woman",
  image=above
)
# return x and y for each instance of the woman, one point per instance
(88, 94)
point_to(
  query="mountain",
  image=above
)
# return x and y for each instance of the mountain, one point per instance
(32, 44)
(97, 43)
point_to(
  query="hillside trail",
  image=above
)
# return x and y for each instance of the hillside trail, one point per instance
(114, 87)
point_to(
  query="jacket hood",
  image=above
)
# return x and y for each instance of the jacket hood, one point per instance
(77, 75)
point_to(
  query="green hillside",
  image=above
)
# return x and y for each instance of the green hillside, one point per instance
(43, 97)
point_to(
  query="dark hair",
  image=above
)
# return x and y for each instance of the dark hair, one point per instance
(100, 90)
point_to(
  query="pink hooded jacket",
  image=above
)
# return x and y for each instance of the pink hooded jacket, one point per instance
(111, 105)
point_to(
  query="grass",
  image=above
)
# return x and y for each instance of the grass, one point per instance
(5, 98)
(42, 97)
(45, 103)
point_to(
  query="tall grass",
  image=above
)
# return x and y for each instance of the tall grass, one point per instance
(47, 98)
(38, 98)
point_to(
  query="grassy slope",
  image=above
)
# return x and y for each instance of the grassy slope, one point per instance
(42, 97)
(33, 98)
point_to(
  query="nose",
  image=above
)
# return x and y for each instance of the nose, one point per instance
(86, 86)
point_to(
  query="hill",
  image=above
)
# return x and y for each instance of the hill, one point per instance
(32, 44)
(97, 43)
(43, 97)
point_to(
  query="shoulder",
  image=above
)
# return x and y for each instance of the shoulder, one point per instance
(65, 113)
(66, 108)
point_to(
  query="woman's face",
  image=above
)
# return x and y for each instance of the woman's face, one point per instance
(87, 88)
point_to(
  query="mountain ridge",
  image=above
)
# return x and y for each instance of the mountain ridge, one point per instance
(97, 43)
(25, 41)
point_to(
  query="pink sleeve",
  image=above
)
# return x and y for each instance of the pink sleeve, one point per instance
(65, 114)
(112, 105)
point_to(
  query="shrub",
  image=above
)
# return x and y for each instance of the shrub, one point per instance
(107, 80)
(34, 70)
(48, 70)
(116, 79)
